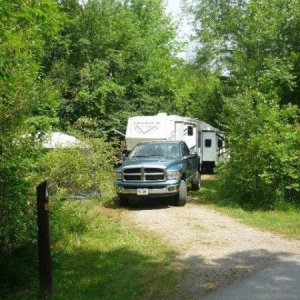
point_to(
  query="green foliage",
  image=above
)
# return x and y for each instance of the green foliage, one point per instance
(89, 67)
(77, 170)
(24, 26)
(67, 220)
(96, 254)
(19, 276)
(264, 152)
(198, 94)
(17, 206)
(114, 58)
(285, 220)
(255, 43)
(19, 273)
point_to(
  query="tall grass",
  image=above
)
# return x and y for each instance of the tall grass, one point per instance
(96, 254)
(283, 219)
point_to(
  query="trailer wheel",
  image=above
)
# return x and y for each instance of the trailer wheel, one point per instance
(196, 182)
(181, 198)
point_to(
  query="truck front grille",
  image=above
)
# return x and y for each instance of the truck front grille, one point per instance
(144, 174)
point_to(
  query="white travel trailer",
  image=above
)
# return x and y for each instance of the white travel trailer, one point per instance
(200, 137)
(212, 145)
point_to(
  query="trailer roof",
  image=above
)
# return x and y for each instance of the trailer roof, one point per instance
(163, 115)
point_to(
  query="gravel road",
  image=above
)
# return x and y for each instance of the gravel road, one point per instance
(214, 250)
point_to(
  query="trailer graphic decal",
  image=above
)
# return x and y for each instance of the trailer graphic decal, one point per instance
(145, 129)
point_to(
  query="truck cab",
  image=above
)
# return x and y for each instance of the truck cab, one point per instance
(158, 169)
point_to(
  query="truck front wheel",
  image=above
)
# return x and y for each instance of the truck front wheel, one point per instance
(196, 182)
(181, 198)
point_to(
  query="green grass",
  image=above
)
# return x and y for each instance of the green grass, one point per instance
(285, 222)
(107, 259)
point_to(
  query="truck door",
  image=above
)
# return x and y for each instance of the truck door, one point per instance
(191, 162)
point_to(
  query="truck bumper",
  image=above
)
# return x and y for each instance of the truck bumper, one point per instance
(170, 190)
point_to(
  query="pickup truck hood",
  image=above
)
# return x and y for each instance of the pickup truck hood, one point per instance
(172, 164)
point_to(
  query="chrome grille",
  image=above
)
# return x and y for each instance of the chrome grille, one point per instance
(144, 174)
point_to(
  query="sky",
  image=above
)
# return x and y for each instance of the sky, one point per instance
(173, 6)
(185, 30)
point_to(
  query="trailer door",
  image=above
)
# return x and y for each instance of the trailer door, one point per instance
(190, 136)
(209, 146)
(186, 132)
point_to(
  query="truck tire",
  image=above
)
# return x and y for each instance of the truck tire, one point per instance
(181, 198)
(196, 182)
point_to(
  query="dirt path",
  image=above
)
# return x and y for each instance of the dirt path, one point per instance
(214, 249)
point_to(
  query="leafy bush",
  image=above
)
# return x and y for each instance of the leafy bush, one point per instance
(17, 204)
(75, 170)
(263, 170)
(24, 28)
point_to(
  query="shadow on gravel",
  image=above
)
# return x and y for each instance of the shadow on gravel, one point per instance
(148, 203)
(141, 203)
(204, 277)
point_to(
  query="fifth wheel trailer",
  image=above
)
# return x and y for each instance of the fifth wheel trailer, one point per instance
(201, 138)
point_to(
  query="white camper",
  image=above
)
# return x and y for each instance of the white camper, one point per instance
(200, 137)
(212, 145)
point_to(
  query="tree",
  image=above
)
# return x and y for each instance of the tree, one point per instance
(114, 58)
(198, 93)
(257, 43)
(24, 27)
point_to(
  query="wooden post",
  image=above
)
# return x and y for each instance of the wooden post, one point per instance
(45, 269)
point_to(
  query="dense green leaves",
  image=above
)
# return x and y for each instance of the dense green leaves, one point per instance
(263, 170)
(256, 41)
(24, 26)
(257, 44)
(114, 58)
(76, 170)
(89, 65)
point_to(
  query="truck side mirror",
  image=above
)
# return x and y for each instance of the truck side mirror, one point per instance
(124, 156)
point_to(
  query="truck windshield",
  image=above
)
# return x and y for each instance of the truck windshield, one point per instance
(165, 150)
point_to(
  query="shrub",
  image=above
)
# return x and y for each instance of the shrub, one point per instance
(74, 170)
(17, 204)
(263, 170)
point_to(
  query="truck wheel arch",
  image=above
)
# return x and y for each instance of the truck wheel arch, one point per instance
(181, 198)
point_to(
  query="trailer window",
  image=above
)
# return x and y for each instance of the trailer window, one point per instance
(208, 143)
(190, 130)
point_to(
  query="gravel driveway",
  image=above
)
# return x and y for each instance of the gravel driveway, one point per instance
(214, 250)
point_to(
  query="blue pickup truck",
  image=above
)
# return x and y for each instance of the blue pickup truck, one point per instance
(158, 169)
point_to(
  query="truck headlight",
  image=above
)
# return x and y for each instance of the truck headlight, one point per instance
(119, 175)
(173, 175)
